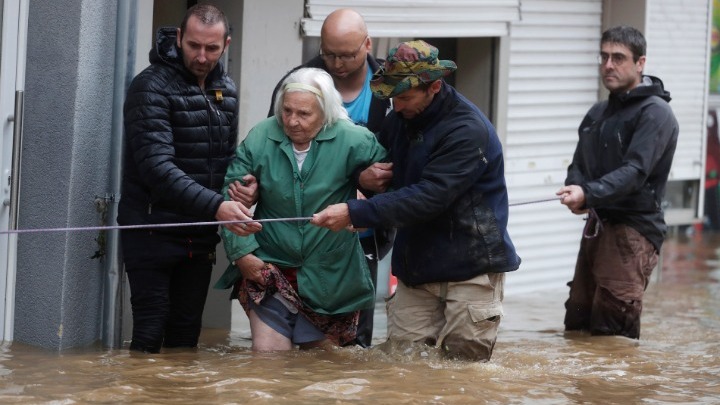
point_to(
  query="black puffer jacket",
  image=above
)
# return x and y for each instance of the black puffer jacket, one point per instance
(179, 141)
(623, 157)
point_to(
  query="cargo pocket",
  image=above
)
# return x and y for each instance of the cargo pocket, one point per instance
(482, 313)
(616, 314)
(475, 341)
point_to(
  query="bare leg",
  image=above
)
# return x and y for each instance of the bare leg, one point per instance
(265, 338)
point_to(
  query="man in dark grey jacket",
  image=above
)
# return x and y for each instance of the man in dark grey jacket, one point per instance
(618, 177)
(180, 119)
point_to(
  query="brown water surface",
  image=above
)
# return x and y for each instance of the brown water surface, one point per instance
(677, 360)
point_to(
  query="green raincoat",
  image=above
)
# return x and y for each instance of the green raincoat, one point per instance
(333, 276)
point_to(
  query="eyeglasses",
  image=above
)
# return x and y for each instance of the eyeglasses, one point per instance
(348, 57)
(616, 59)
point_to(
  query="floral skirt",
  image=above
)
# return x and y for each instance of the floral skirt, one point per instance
(340, 329)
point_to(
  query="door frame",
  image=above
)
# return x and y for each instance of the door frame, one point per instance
(13, 45)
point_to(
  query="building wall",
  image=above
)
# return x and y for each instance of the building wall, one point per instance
(552, 81)
(68, 109)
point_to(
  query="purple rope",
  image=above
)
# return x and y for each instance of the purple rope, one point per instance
(141, 226)
(533, 201)
(209, 223)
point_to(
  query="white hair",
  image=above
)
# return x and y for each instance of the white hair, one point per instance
(327, 96)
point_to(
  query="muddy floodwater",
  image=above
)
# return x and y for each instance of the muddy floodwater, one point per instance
(676, 361)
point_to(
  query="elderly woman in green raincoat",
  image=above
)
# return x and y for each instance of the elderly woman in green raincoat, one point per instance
(301, 284)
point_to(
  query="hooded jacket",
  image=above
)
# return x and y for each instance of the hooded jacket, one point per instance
(623, 158)
(179, 141)
(450, 201)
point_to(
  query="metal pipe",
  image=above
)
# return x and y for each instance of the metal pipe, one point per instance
(112, 285)
(21, 61)
(14, 210)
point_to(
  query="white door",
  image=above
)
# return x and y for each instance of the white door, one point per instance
(13, 29)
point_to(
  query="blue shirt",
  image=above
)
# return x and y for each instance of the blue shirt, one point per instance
(359, 109)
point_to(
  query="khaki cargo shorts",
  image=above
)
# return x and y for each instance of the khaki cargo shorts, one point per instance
(461, 317)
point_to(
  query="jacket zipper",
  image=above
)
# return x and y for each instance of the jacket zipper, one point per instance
(210, 141)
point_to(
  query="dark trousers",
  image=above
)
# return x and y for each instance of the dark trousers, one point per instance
(168, 290)
(611, 275)
(365, 324)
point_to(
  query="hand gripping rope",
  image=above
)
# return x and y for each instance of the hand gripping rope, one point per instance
(184, 224)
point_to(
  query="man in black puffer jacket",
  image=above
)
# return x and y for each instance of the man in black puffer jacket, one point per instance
(618, 176)
(180, 119)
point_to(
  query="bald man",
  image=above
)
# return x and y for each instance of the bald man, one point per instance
(345, 53)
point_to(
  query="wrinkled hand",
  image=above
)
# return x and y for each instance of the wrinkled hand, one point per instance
(574, 198)
(377, 177)
(235, 211)
(335, 217)
(245, 193)
(251, 268)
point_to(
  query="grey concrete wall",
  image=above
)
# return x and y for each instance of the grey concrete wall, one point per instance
(66, 147)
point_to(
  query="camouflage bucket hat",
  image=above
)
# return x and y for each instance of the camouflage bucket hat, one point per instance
(408, 65)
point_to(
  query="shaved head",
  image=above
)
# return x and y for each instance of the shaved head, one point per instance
(344, 46)
(344, 22)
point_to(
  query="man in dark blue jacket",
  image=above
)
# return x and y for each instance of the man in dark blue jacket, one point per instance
(449, 202)
(180, 119)
(618, 176)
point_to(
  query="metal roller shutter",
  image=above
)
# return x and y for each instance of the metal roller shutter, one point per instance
(674, 29)
(421, 18)
(553, 81)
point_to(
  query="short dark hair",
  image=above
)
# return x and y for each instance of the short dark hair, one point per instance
(208, 15)
(628, 36)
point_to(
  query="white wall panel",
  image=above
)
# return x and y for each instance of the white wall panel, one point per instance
(553, 81)
(674, 29)
(421, 18)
